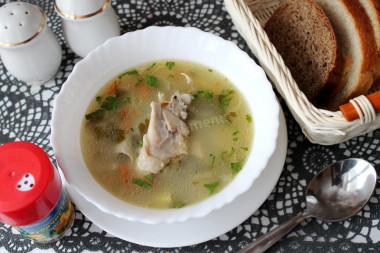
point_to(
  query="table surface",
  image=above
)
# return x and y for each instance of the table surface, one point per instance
(26, 115)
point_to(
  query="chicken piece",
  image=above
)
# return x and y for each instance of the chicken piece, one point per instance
(167, 134)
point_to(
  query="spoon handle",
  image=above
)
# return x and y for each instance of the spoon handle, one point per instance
(267, 240)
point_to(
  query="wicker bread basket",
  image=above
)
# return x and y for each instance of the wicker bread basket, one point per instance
(319, 126)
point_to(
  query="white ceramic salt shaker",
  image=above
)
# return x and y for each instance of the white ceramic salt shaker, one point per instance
(29, 49)
(87, 23)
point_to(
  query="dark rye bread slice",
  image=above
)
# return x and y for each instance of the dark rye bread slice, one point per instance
(303, 36)
(358, 47)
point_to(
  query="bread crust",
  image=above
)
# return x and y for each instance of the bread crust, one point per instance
(376, 6)
(373, 10)
(368, 49)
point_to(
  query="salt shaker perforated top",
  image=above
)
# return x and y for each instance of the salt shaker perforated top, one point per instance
(87, 23)
(29, 49)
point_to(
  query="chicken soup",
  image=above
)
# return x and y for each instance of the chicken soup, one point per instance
(166, 134)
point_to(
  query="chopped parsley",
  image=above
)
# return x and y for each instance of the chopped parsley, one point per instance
(212, 159)
(227, 92)
(139, 80)
(231, 152)
(212, 187)
(170, 64)
(235, 133)
(141, 183)
(208, 95)
(236, 167)
(224, 100)
(129, 72)
(177, 205)
(149, 177)
(151, 80)
(110, 103)
(95, 116)
(132, 130)
(99, 99)
(140, 143)
(154, 64)
(244, 148)
(235, 139)
(249, 118)
(231, 126)
(210, 70)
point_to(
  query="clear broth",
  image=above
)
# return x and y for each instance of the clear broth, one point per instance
(219, 142)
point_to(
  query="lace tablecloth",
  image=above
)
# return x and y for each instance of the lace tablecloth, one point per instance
(26, 115)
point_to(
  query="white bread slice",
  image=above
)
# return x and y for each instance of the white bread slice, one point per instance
(356, 39)
(372, 8)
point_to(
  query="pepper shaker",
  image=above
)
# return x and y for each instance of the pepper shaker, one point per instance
(33, 199)
(28, 47)
(87, 23)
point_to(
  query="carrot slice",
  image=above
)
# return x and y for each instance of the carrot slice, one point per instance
(125, 173)
(114, 86)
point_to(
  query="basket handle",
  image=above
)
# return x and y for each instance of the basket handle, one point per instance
(362, 107)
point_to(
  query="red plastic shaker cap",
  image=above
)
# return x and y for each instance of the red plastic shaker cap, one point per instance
(30, 186)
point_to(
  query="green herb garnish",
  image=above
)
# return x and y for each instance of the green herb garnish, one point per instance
(139, 80)
(132, 129)
(99, 99)
(249, 118)
(95, 116)
(129, 72)
(227, 92)
(170, 64)
(244, 148)
(112, 103)
(212, 187)
(149, 177)
(208, 95)
(210, 70)
(231, 126)
(231, 152)
(177, 205)
(141, 183)
(151, 80)
(235, 139)
(236, 167)
(212, 159)
(235, 133)
(224, 100)
(140, 143)
(154, 64)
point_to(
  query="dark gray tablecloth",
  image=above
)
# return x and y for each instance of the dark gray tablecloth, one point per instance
(26, 115)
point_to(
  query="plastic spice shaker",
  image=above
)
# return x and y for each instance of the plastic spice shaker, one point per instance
(32, 198)
(29, 49)
(87, 23)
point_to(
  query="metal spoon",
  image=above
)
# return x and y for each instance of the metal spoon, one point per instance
(336, 193)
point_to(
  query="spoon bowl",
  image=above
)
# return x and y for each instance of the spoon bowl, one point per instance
(340, 190)
(336, 193)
